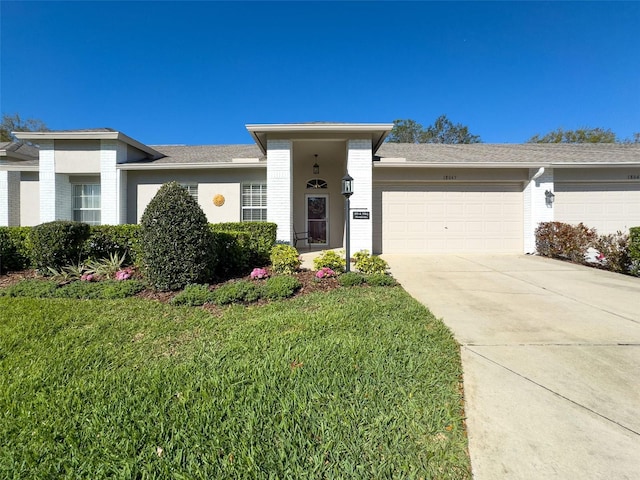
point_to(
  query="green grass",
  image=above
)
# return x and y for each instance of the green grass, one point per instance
(329, 385)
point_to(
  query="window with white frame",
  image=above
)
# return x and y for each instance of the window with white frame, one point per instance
(192, 189)
(254, 202)
(86, 203)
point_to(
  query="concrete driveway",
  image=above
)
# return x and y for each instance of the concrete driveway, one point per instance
(551, 358)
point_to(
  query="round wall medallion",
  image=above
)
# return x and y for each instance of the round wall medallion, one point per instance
(218, 200)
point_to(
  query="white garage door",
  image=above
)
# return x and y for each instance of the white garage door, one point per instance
(436, 218)
(607, 207)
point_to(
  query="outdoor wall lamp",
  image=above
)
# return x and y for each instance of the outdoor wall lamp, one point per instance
(549, 197)
(316, 167)
(347, 191)
(347, 186)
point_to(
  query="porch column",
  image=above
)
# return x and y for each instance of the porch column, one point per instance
(280, 188)
(536, 209)
(55, 189)
(360, 167)
(112, 152)
(9, 199)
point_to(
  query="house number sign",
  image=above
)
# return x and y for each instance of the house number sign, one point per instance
(449, 177)
(361, 215)
(633, 177)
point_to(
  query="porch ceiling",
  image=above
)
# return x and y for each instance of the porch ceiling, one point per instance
(319, 131)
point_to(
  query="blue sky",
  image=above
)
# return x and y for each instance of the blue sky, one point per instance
(197, 72)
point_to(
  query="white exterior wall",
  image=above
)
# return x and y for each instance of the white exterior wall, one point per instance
(111, 152)
(47, 181)
(536, 209)
(9, 198)
(360, 167)
(55, 189)
(280, 187)
(29, 199)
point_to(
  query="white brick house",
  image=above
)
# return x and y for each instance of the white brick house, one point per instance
(407, 198)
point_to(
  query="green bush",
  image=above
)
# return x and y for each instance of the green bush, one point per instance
(114, 289)
(561, 240)
(261, 237)
(57, 244)
(330, 259)
(615, 248)
(369, 264)
(31, 288)
(236, 292)
(110, 240)
(193, 296)
(351, 279)
(280, 287)
(14, 248)
(232, 254)
(634, 250)
(176, 243)
(285, 259)
(381, 280)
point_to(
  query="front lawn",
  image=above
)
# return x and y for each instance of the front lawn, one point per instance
(358, 382)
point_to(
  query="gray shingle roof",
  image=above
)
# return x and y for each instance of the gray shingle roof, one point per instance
(21, 148)
(18, 154)
(205, 153)
(527, 153)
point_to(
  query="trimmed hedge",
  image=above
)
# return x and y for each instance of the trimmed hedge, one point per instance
(15, 251)
(231, 250)
(107, 240)
(57, 244)
(634, 250)
(561, 240)
(261, 237)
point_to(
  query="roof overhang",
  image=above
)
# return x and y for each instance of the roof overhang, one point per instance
(188, 166)
(5, 155)
(87, 135)
(319, 131)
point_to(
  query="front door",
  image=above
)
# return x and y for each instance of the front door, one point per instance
(318, 219)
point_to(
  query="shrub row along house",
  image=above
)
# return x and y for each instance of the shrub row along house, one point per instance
(427, 198)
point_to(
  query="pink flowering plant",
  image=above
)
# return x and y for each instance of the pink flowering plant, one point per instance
(325, 272)
(259, 273)
(124, 274)
(88, 277)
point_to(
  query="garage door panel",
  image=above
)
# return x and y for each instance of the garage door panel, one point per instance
(451, 218)
(607, 207)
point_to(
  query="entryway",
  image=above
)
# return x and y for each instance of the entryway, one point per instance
(317, 219)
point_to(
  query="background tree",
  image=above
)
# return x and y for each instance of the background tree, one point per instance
(406, 131)
(443, 130)
(581, 135)
(13, 123)
(635, 138)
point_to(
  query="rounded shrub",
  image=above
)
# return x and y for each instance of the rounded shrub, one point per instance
(57, 244)
(236, 292)
(280, 287)
(330, 259)
(370, 264)
(285, 259)
(175, 240)
(193, 295)
(381, 280)
(351, 279)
